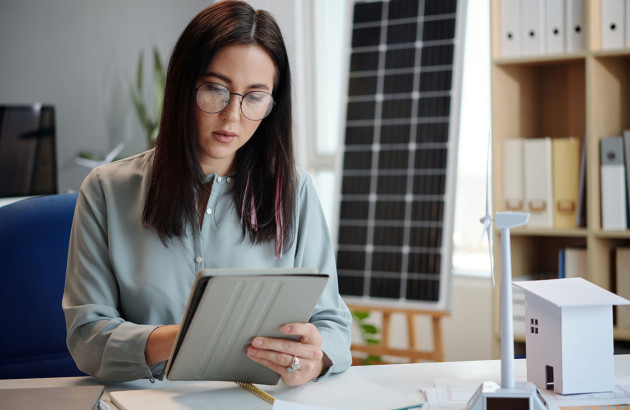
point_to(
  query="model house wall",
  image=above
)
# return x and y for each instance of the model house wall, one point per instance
(569, 337)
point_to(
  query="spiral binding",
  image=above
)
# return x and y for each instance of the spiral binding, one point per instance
(261, 394)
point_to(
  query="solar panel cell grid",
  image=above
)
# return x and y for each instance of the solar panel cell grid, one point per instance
(393, 191)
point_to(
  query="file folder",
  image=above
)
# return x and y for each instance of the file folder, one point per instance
(510, 28)
(575, 23)
(626, 158)
(554, 27)
(566, 175)
(575, 263)
(613, 184)
(533, 27)
(513, 196)
(612, 22)
(622, 276)
(538, 182)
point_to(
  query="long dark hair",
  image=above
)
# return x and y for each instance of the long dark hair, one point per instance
(264, 187)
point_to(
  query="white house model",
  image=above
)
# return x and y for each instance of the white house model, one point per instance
(569, 335)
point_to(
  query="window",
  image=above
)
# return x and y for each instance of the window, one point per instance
(534, 326)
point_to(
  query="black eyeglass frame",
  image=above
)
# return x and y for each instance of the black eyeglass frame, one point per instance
(272, 102)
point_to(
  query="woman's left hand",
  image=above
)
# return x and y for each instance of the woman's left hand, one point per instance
(278, 354)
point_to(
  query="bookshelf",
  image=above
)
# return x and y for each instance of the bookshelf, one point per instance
(584, 94)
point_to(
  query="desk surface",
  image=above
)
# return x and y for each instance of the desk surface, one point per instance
(401, 378)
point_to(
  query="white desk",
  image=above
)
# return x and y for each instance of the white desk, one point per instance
(402, 378)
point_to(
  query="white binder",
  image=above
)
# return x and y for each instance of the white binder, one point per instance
(538, 182)
(613, 21)
(532, 27)
(613, 184)
(513, 197)
(510, 28)
(555, 32)
(575, 23)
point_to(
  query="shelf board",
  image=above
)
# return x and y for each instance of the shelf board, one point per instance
(612, 234)
(541, 60)
(624, 52)
(621, 334)
(572, 233)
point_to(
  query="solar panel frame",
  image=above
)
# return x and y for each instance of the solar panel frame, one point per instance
(400, 152)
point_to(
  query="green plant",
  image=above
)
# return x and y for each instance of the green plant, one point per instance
(150, 122)
(369, 333)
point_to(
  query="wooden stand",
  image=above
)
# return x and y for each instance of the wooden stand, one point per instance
(412, 353)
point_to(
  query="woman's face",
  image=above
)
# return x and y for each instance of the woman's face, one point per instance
(241, 68)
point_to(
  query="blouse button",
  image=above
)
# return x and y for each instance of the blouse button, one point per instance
(198, 259)
(209, 211)
(219, 179)
(229, 180)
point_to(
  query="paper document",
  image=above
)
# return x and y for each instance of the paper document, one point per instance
(555, 401)
(342, 391)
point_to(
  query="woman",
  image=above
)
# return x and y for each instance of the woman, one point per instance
(219, 190)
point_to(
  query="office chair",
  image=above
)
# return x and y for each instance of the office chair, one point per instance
(34, 236)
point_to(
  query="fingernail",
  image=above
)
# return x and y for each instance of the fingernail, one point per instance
(286, 329)
(257, 342)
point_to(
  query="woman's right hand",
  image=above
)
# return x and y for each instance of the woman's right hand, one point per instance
(160, 344)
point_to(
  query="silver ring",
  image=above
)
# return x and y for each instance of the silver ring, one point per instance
(295, 365)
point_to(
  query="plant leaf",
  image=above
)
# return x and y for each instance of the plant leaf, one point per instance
(361, 315)
(159, 82)
(370, 329)
(372, 341)
(139, 71)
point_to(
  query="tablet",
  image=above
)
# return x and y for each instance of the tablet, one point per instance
(227, 308)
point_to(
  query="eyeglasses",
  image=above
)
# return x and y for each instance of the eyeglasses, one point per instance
(213, 98)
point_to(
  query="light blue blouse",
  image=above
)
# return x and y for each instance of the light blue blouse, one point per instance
(122, 282)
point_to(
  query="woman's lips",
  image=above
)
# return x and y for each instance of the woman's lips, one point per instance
(224, 136)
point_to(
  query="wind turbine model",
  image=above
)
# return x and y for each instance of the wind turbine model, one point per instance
(509, 395)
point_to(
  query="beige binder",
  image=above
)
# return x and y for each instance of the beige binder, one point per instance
(538, 182)
(623, 285)
(566, 177)
(513, 197)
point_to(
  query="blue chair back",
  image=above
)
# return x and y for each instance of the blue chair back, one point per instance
(34, 236)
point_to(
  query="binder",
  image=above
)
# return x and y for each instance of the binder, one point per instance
(580, 217)
(612, 23)
(622, 276)
(538, 182)
(575, 263)
(626, 157)
(533, 27)
(227, 308)
(566, 174)
(627, 24)
(555, 33)
(513, 196)
(613, 184)
(575, 23)
(510, 28)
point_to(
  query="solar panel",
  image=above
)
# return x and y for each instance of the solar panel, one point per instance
(394, 234)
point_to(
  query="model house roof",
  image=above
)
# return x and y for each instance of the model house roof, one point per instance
(571, 292)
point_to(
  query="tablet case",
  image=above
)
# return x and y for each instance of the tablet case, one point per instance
(227, 308)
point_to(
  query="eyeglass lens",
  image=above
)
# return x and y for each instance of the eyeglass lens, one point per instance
(213, 98)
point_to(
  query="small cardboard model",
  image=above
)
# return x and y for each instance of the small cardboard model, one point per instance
(569, 337)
